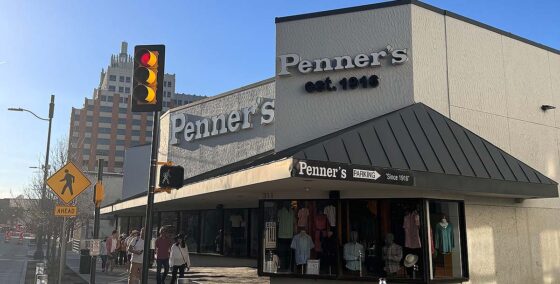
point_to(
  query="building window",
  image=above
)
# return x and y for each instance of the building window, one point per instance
(89, 118)
(123, 110)
(118, 164)
(111, 88)
(136, 122)
(121, 78)
(89, 107)
(121, 89)
(112, 78)
(104, 98)
(104, 130)
(169, 84)
(127, 79)
(235, 232)
(103, 141)
(135, 132)
(85, 152)
(189, 225)
(105, 119)
(85, 163)
(122, 121)
(371, 238)
(100, 152)
(127, 90)
(211, 231)
(119, 153)
(120, 142)
(446, 234)
(106, 108)
(121, 131)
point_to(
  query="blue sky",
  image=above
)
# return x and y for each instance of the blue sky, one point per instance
(59, 47)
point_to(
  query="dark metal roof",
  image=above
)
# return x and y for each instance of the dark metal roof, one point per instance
(420, 139)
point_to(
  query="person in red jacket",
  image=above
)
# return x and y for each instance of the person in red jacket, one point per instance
(112, 245)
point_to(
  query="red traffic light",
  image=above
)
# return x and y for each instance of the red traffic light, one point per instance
(147, 58)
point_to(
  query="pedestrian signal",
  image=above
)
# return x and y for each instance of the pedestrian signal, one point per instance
(171, 176)
(147, 86)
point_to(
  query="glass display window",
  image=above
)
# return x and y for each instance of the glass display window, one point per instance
(211, 231)
(235, 232)
(447, 250)
(190, 227)
(408, 240)
(300, 237)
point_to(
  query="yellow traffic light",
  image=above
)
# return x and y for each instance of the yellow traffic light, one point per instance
(147, 91)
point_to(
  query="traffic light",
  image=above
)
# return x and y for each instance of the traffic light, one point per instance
(171, 176)
(147, 86)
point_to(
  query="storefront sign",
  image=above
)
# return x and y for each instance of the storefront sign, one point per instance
(336, 171)
(220, 124)
(344, 62)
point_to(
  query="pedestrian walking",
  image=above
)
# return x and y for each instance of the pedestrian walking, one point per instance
(133, 234)
(179, 258)
(103, 254)
(122, 250)
(136, 249)
(111, 244)
(163, 246)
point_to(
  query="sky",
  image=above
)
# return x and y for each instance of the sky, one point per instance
(59, 47)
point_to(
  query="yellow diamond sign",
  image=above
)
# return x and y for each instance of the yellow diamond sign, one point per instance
(68, 182)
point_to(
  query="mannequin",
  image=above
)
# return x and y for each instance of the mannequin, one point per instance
(302, 244)
(444, 239)
(392, 254)
(286, 217)
(353, 253)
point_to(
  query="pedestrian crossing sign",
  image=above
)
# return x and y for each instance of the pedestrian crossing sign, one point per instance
(68, 182)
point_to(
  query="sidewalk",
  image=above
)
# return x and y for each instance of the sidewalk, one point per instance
(196, 274)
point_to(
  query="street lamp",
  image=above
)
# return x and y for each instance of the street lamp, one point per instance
(39, 250)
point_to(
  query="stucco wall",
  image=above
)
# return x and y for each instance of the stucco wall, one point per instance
(206, 154)
(302, 116)
(494, 85)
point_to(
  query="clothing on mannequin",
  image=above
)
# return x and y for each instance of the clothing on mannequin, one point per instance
(285, 223)
(411, 226)
(303, 245)
(353, 252)
(302, 214)
(330, 211)
(444, 239)
(236, 221)
(392, 254)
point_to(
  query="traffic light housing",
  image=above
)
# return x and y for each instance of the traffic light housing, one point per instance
(171, 176)
(99, 193)
(147, 85)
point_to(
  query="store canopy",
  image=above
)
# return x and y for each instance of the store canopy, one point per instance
(439, 153)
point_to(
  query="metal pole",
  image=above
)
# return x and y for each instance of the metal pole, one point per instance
(62, 264)
(39, 254)
(150, 205)
(96, 220)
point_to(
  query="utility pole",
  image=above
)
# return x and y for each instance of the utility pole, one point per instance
(62, 263)
(150, 205)
(96, 219)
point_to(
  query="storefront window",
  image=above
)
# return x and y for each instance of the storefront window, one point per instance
(254, 232)
(211, 231)
(445, 237)
(235, 232)
(169, 221)
(135, 223)
(123, 225)
(300, 237)
(382, 238)
(404, 240)
(190, 227)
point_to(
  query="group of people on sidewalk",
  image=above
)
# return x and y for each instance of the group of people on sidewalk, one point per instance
(169, 253)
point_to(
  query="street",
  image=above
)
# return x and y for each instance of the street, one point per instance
(13, 260)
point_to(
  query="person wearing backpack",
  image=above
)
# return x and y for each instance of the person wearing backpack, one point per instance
(179, 258)
(136, 249)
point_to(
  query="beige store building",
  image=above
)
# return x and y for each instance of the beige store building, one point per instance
(396, 141)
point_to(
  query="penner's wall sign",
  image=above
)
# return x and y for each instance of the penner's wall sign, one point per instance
(336, 171)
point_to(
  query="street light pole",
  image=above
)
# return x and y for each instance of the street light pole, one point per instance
(39, 254)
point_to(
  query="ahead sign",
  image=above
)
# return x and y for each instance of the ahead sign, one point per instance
(65, 211)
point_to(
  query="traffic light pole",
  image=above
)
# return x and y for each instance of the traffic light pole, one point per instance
(150, 205)
(93, 265)
(39, 254)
